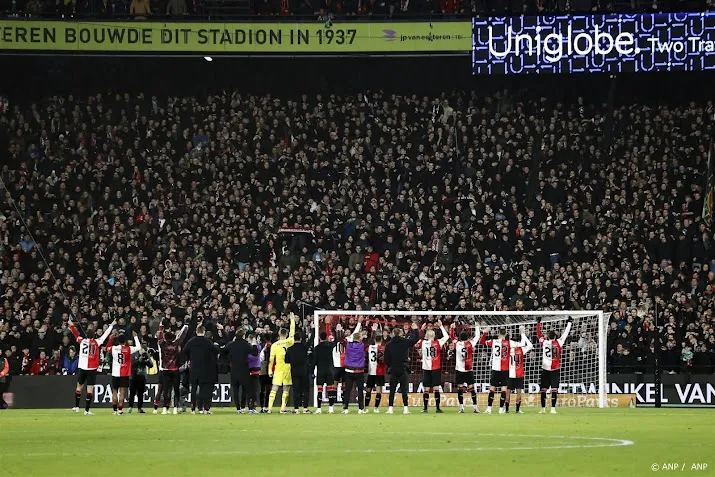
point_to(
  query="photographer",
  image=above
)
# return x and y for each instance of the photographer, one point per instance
(141, 362)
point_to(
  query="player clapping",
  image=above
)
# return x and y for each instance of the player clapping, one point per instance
(516, 371)
(121, 370)
(501, 353)
(464, 354)
(431, 365)
(375, 368)
(552, 350)
(88, 363)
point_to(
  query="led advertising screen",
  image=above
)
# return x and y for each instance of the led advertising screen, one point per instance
(594, 43)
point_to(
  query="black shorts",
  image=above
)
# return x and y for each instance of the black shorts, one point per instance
(324, 377)
(550, 379)
(339, 375)
(516, 383)
(121, 382)
(464, 377)
(87, 377)
(499, 379)
(431, 378)
(265, 380)
(375, 381)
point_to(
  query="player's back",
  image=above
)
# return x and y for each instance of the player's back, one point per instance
(278, 351)
(323, 355)
(376, 359)
(168, 353)
(88, 354)
(121, 360)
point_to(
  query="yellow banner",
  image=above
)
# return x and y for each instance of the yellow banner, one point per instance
(238, 38)
(528, 400)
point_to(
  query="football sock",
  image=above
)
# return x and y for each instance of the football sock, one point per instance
(543, 398)
(284, 399)
(502, 399)
(425, 398)
(77, 395)
(490, 401)
(332, 396)
(262, 398)
(506, 406)
(518, 405)
(88, 401)
(474, 398)
(368, 398)
(271, 399)
(378, 398)
(320, 396)
(114, 406)
(460, 395)
(553, 398)
(156, 404)
(437, 399)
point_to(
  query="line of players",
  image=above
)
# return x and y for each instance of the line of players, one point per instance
(507, 363)
(329, 357)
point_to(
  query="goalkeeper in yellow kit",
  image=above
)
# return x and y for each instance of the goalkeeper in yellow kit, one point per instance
(277, 367)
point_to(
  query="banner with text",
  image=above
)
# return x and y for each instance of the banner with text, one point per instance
(235, 38)
(594, 43)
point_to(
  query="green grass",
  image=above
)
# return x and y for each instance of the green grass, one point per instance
(573, 442)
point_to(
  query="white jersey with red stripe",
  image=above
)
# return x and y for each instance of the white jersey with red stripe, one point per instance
(89, 349)
(339, 349)
(501, 351)
(122, 359)
(516, 361)
(432, 351)
(464, 351)
(376, 360)
(552, 350)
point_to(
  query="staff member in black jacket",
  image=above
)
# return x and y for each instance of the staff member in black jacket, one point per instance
(203, 369)
(325, 376)
(238, 352)
(396, 358)
(297, 357)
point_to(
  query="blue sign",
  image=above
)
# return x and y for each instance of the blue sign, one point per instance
(594, 43)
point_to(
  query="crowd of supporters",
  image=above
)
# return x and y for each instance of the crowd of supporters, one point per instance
(143, 9)
(237, 208)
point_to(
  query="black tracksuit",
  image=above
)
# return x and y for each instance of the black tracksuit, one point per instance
(396, 358)
(238, 352)
(297, 357)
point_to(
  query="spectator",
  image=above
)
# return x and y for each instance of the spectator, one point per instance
(70, 362)
(140, 9)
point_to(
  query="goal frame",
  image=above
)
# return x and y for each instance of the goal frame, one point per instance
(602, 348)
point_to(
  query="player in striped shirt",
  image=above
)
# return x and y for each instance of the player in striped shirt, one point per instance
(501, 353)
(122, 370)
(464, 360)
(516, 371)
(88, 363)
(431, 350)
(375, 368)
(552, 352)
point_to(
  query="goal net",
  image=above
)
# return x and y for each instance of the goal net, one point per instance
(583, 359)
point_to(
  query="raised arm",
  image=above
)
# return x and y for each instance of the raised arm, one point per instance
(414, 336)
(539, 335)
(528, 344)
(483, 339)
(106, 333)
(182, 334)
(74, 331)
(291, 334)
(160, 335)
(358, 327)
(475, 340)
(566, 332)
(137, 344)
(445, 336)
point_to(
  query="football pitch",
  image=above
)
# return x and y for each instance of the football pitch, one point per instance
(576, 441)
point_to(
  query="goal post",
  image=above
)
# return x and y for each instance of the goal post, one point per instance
(583, 362)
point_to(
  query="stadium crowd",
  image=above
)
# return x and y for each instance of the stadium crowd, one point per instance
(236, 209)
